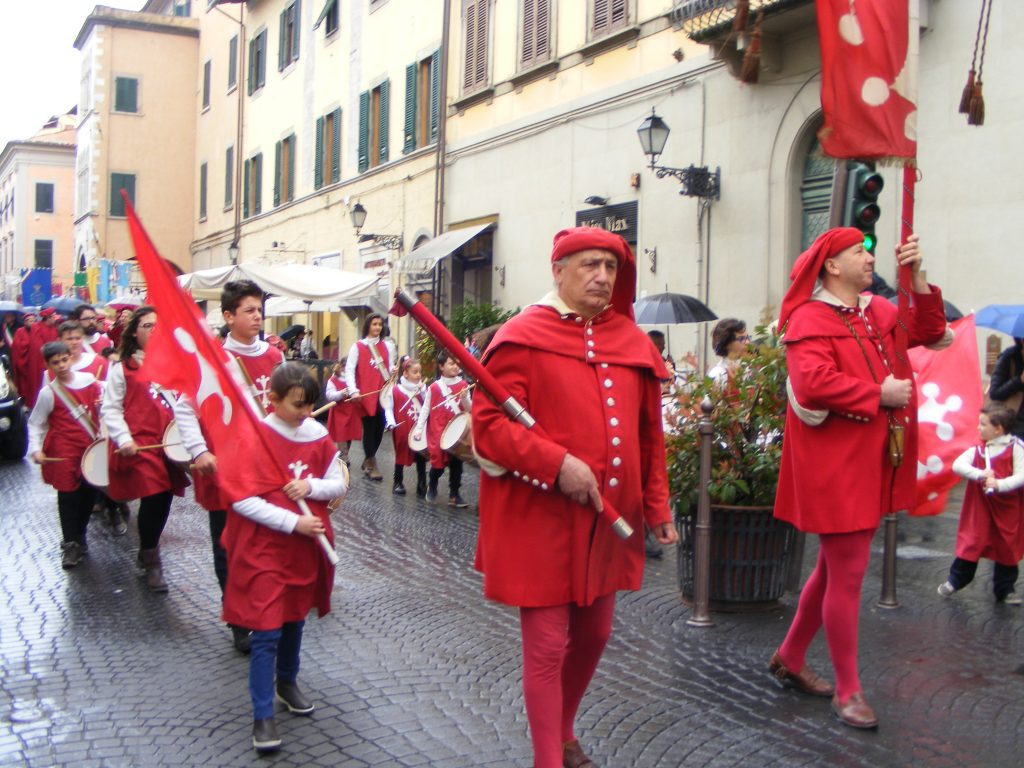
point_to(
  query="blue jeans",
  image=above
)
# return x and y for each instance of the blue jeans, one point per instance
(272, 649)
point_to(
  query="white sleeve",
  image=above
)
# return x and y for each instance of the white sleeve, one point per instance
(261, 511)
(421, 420)
(331, 485)
(1016, 480)
(964, 466)
(188, 426)
(112, 409)
(39, 421)
(332, 393)
(350, 368)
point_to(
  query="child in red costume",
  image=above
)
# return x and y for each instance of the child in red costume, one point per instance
(62, 425)
(446, 398)
(990, 518)
(276, 570)
(344, 422)
(403, 404)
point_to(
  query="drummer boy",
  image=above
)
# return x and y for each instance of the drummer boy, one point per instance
(62, 425)
(445, 399)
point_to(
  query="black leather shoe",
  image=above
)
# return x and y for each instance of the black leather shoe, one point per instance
(457, 501)
(290, 695)
(241, 638)
(398, 490)
(421, 489)
(264, 735)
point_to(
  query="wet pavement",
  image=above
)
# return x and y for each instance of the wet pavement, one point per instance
(414, 668)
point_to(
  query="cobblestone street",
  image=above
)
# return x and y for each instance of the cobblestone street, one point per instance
(414, 668)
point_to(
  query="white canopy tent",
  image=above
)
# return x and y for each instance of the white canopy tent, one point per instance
(331, 287)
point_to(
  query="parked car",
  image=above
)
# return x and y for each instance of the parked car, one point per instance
(13, 422)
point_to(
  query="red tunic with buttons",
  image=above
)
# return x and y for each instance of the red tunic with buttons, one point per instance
(441, 416)
(836, 477)
(276, 577)
(369, 377)
(344, 422)
(593, 387)
(406, 410)
(260, 367)
(990, 523)
(147, 414)
(66, 437)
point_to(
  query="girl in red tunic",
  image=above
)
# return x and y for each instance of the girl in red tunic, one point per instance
(446, 398)
(343, 422)
(276, 569)
(402, 406)
(990, 518)
(136, 412)
(367, 369)
(62, 425)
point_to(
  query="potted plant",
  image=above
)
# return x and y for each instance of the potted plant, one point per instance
(749, 547)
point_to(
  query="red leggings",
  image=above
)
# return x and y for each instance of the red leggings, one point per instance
(562, 645)
(831, 597)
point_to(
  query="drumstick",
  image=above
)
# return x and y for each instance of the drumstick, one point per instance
(445, 400)
(988, 466)
(325, 408)
(48, 459)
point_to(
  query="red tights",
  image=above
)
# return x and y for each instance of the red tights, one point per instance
(831, 597)
(562, 645)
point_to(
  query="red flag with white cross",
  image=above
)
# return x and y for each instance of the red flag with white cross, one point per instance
(183, 355)
(949, 398)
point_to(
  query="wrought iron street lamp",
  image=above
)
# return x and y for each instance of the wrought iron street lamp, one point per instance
(233, 252)
(358, 216)
(696, 181)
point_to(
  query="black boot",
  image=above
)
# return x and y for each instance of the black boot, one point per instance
(264, 735)
(241, 638)
(399, 489)
(290, 695)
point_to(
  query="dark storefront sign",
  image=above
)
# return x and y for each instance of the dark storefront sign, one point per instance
(621, 219)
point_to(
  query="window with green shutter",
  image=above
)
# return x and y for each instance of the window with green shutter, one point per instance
(202, 190)
(207, 72)
(229, 177)
(44, 198)
(364, 131)
(380, 98)
(126, 94)
(284, 170)
(422, 103)
(327, 157)
(288, 36)
(119, 181)
(257, 62)
(44, 254)
(253, 186)
(232, 63)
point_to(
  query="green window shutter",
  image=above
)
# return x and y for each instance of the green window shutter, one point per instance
(336, 148)
(229, 175)
(252, 68)
(245, 188)
(202, 190)
(318, 160)
(435, 95)
(258, 171)
(296, 29)
(382, 127)
(126, 94)
(410, 109)
(364, 131)
(280, 42)
(291, 167)
(207, 74)
(116, 207)
(277, 174)
(232, 62)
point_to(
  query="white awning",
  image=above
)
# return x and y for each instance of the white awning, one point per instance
(296, 281)
(428, 255)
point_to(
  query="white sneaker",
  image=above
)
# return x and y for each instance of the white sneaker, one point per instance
(946, 589)
(1012, 599)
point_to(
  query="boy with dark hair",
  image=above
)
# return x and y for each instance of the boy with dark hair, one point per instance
(94, 341)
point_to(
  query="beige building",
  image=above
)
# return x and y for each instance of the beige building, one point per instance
(136, 131)
(37, 196)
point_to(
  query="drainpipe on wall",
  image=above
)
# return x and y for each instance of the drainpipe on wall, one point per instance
(442, 118)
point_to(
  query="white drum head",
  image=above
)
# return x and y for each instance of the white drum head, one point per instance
(454, 432)
(174, 449)
(96, 465)
(417, 446)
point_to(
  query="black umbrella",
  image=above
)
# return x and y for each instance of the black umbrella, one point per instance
(671, 308)
(291, 332)
(63, 304)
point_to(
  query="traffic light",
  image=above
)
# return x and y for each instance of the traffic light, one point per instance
(863, 185)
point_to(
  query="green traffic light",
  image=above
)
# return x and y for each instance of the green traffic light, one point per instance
(870, 241)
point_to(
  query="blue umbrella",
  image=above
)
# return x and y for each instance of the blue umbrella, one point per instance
(1008, 318)
(11, 306)
(63, 304)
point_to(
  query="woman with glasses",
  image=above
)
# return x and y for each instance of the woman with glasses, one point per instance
(731, 343)
(136, 412)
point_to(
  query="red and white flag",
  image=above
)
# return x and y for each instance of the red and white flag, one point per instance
(868, 78)
(949, 398)
(183, 355)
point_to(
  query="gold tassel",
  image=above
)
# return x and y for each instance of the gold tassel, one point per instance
(976, 111)
(750, 69)
(965, 97)
(739, 21)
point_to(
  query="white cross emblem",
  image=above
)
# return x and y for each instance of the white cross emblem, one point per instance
(261, 390)
(931, 411)
(297, 468)
(209, 384)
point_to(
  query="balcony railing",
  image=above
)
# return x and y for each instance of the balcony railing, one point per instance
(705, 19)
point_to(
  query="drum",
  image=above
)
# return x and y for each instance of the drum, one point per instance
(96, 464)
(418, 446)
(334, 503)
(174, 448)
(457, 438)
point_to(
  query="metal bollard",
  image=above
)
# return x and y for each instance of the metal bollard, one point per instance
(702, 531)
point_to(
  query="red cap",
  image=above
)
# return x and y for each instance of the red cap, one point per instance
(808, 266)
(47, 312)
(576, 239)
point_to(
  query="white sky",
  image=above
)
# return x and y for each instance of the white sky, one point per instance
(40, 67)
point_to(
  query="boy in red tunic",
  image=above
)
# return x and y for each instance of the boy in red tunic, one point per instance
(343, 421)
(403, 404)
(62, 425)
(277, 571)
(445, 399)
(990, 517)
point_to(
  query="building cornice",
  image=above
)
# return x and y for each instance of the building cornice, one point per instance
(102, 16)
(13, 148)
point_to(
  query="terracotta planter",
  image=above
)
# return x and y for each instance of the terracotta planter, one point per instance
(750, 553)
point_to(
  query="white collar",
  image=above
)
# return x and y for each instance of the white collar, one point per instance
(84, 361)
(94, 337)
(451, 380)
(408, 387)
(368, 340)
(257, 348)
(821, 294)
(308, 431)
(79, 380)
(1000, 442)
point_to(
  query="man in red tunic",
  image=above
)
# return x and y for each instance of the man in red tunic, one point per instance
(837, 478)
(579, 363)
(39, 334)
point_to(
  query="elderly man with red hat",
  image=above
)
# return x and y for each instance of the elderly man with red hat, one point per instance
(590, 377)
(841, 465)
